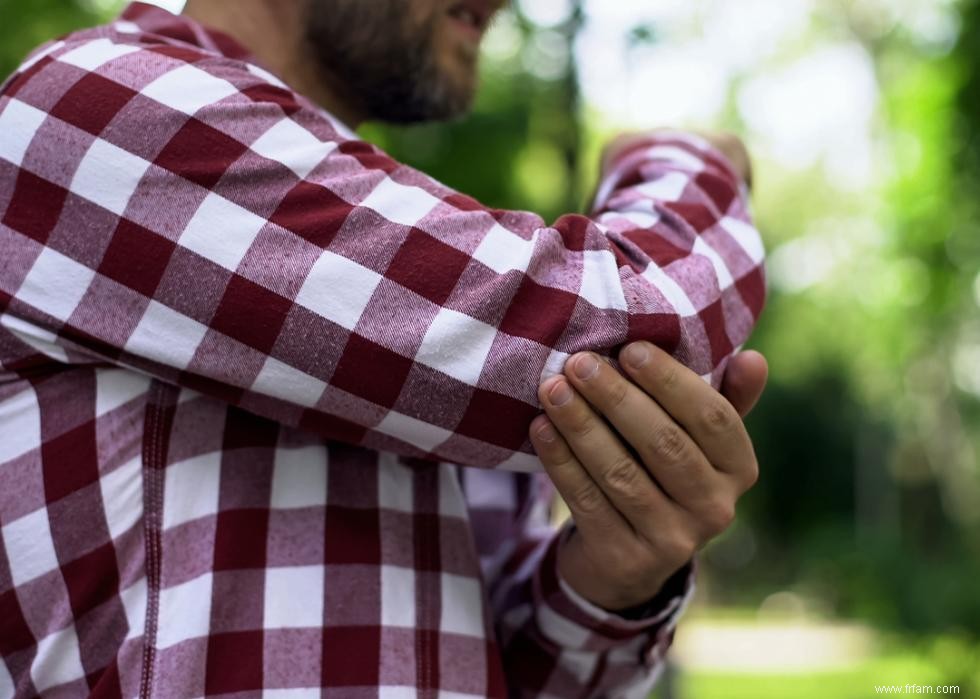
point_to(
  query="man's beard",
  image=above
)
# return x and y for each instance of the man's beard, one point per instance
(387, 64)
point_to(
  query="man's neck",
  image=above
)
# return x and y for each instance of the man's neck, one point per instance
(273, 33)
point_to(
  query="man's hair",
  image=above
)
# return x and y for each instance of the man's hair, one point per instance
(384, 59)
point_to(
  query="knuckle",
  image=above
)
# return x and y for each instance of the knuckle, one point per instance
(559, 458)
(623, 476)
(718, 417)
(677, 549)
(617, 393)
(718, 516)
(668, 443)
(586, 500)
(751, 475)
(670, 377)
(581, 424)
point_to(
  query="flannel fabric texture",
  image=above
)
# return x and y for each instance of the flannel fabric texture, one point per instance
(265, 392)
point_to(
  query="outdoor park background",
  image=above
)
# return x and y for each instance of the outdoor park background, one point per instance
(856, 561)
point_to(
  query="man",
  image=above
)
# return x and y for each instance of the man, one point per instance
(242, 352)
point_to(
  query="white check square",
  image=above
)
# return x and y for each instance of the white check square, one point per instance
(115, 388)
(185, 611)
(560, 630)
(412, 431)
(58, 660)
(398, 597)
(293, 598)
(395, 485)
(676, 155)
(701, 247)
(503, 251)
(166, 336)
(673, 292)
(462, 606)
(18, 124)
(290, 144)
(221, 231)
(299, 478)
(601, 285)
(452, 502)
(40, 56)
(400, 204)
(263, 74)
(188, 89)
(6, 682)
(338, 289)
(94, 54)
(134, 600)
(42, 340)
(668, 188)
(122, 497)
(191, 489)
(30, 548)
(457, 345)
(56, 284)
(20, 416)
(279, 380)
(401, 692)
(747, 236)
(108, 176)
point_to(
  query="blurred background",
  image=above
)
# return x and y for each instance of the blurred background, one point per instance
(856, 561)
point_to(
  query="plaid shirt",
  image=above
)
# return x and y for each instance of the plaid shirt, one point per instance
(245, 359)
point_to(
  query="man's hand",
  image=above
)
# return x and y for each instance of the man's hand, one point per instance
(644, 507)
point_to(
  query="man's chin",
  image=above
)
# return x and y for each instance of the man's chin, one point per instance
(443, 98)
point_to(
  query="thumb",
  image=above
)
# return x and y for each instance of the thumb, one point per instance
(745, 379)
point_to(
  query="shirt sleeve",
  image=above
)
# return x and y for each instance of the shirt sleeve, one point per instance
(205, 225)
(553, 642)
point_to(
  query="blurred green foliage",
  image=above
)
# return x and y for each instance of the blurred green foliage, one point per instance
(869, 434)
(26, 25)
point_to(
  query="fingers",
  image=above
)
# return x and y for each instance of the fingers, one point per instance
(744, 381)
(607, 462)
(673, 459)
(711, 421)
(590, 508)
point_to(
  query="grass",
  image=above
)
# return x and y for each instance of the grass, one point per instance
(897, 661)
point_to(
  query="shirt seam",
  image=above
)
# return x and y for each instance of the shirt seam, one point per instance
(154, 461)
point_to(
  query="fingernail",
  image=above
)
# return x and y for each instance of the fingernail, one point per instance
(546, 433)
(560, 394)
(636, 355)
(585, 366)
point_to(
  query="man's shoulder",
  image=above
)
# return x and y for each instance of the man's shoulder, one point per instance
(106, 67)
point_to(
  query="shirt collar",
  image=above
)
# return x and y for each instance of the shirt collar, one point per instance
(159, 22)
(155, 20)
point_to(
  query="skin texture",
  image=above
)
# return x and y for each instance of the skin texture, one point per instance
(399, 61)
(401, 67)
(648, 492)
(645, 497)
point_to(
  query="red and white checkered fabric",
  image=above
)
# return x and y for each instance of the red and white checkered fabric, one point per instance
(245, 358)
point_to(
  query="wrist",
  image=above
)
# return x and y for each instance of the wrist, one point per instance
(617, 594)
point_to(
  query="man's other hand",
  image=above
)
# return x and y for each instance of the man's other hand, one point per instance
(655, 483)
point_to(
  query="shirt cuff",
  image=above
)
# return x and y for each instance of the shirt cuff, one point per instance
(625, 166)
(570, 621)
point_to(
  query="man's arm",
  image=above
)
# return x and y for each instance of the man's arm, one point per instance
(246, 248)
(558, 635)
